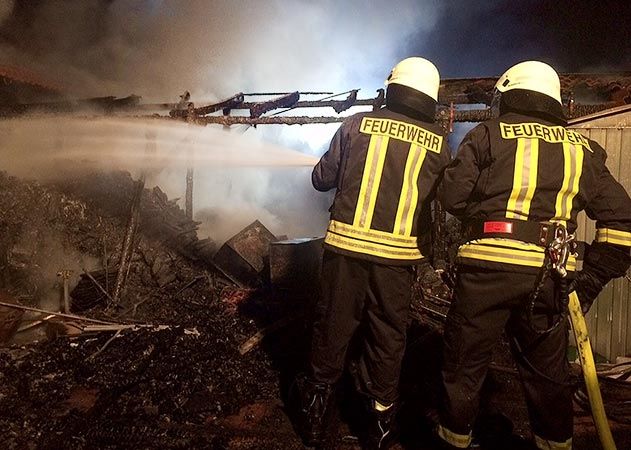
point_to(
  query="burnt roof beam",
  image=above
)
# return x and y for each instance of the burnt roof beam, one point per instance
(473, 115)
(230, 103)
(285, 101)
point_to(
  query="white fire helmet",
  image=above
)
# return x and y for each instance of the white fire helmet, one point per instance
(416, 73)
(533, 76)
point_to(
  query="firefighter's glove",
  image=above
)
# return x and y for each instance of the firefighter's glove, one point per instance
(587, 287)
(603, 262)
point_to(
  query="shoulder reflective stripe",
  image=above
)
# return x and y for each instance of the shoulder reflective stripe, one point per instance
(507, 255)
(372, 248)
(455, 439)
(382, 237)
(572, 171)
(370, 181)
(524, 179)
(409, 194)
(546, 444)
(612, 236)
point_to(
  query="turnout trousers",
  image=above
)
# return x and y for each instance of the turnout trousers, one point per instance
(358, 292)
(485, 304)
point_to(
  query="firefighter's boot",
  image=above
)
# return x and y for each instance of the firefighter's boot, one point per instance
(380, 433)
(316, 411)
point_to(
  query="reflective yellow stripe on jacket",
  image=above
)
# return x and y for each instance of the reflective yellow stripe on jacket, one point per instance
(360, 236)
(528, 137)
(507, 251)
(611, 236)
(369, 189)
(572, 170)
(408, 202)
(372, 242)
(524, 179)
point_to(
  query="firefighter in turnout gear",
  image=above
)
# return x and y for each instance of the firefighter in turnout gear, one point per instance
(384, 166)
(517, 183)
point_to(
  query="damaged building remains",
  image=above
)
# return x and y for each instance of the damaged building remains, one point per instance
(145, 333)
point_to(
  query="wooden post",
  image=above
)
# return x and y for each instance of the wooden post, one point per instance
(188, 207)
(65, 276)
(188, 200)
(127, 250)
(127, 247)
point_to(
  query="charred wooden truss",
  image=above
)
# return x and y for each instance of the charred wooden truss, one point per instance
(582, 94)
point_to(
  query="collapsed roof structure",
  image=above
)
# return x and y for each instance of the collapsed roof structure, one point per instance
(583, 94)
(177, 358)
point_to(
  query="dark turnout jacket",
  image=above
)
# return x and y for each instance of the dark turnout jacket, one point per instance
(522, 168)
(385, 168)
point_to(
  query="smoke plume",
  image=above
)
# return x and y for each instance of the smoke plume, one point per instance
(160, 48)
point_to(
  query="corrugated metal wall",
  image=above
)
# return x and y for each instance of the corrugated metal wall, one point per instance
(609, 320)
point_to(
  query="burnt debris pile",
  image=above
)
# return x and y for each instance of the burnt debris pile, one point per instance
(170, 361)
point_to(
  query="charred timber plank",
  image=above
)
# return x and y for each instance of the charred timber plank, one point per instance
(460, 116)
(286, 101)
(294, 120)
(346, 104)
(335, 104)
(100, 350)
(98, 285)
(45, 311)
(233, 102)
(255, 94)
(256, 339)
(379, 100)
(128, 241)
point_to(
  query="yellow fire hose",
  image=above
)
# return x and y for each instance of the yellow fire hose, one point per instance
(589, 373)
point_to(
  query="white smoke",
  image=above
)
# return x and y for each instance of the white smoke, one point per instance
(160, 48)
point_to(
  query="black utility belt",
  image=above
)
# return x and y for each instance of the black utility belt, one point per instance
(539, 233)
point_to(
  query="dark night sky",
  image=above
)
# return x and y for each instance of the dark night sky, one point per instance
(571, 35)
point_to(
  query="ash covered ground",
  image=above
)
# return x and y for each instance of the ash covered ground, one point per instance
(178, 384)
(171, 371)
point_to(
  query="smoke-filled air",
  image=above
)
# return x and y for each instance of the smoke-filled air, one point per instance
(158, 49)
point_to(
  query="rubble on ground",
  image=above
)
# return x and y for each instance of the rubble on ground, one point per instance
(171, 380)
(192, 354)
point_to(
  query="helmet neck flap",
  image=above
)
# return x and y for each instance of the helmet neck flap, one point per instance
(531, 103)
(410, 102)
